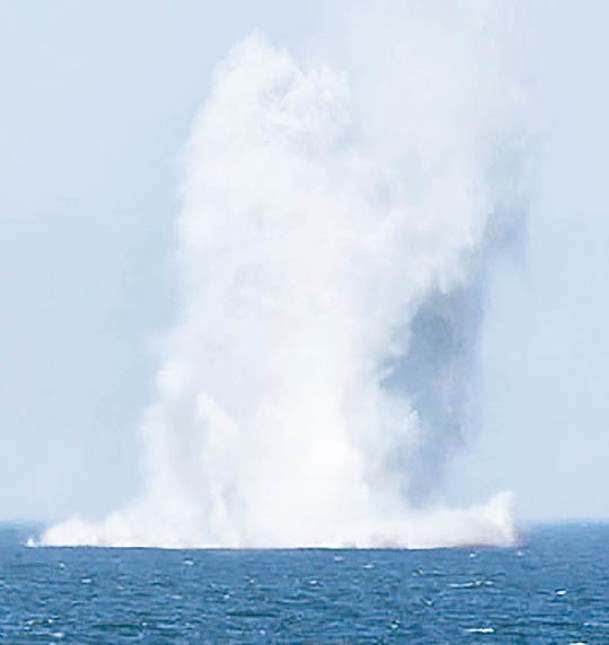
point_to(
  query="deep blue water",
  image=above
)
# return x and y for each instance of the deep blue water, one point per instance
(554, 588)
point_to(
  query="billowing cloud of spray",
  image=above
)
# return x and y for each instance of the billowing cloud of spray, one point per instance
(331, 246)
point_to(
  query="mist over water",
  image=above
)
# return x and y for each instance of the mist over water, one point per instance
(332, 245)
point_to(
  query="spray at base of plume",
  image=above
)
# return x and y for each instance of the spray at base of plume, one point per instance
(332, 246)
(490, 524)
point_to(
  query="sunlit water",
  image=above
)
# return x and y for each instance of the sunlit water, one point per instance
(553, 588)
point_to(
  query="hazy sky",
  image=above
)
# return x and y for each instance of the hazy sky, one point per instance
(96, 101)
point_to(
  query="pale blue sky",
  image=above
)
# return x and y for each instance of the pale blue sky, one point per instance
(546, 345)
(97, 99)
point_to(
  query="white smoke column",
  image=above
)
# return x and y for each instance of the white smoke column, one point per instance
(330, 220)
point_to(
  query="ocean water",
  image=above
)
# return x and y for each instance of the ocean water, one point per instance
(553, 588)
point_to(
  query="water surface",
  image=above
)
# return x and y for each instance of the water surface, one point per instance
(554, 588)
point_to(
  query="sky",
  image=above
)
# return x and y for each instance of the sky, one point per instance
(546, 339)
(96, 102)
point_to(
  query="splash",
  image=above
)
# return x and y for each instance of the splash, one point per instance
(332, 245)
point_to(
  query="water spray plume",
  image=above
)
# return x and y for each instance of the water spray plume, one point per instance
(331, 248)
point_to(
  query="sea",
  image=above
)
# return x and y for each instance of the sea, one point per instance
(551, 588)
